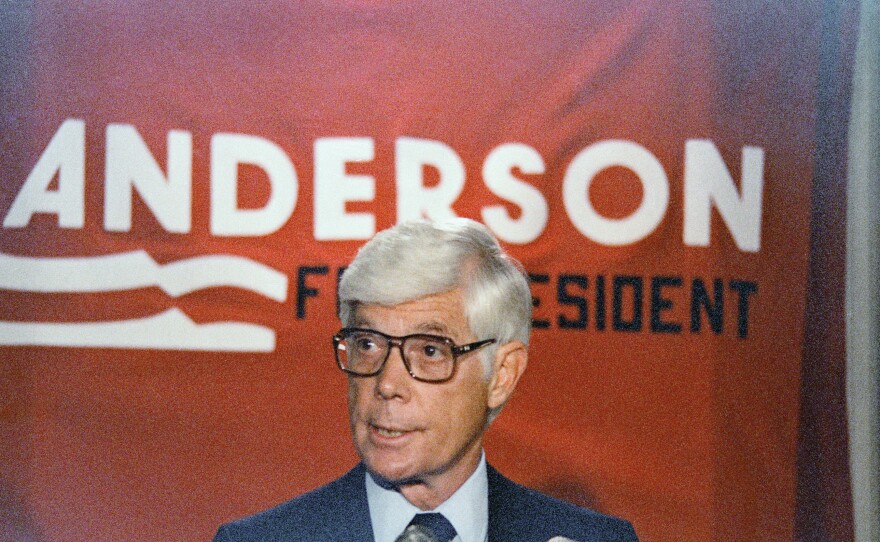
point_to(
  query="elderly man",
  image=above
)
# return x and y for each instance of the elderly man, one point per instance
(436, 326)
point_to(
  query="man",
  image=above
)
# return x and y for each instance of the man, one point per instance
(436, 326)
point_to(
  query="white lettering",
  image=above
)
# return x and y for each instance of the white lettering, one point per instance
(130, 165)
(521, 218)
(65, 156)
(597, 157)
(707, 180)
(414, 199)
(334, 187)
(499, 178)
(227, 152)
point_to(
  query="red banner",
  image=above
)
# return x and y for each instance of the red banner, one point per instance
(182, 186)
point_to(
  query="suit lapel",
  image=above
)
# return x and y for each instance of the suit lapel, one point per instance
(506, 520)
(348, 519)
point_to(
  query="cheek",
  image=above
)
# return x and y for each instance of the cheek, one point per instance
(466, 411)
(355, 394)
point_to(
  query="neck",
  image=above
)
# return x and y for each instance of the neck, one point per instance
(431, 491)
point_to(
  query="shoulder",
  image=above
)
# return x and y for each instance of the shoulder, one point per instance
(311, 516)
(520, 513)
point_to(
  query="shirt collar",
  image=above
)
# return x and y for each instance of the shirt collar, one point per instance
(467, 509)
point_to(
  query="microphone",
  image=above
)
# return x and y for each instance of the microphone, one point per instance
(418, 533)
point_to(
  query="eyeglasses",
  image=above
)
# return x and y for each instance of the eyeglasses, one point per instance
(428, 358)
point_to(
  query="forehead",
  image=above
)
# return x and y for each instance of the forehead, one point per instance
(441, 314)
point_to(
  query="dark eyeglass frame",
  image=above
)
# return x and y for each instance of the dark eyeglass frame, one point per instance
(398, 342)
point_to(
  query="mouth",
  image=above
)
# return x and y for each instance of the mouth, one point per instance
(388, 432)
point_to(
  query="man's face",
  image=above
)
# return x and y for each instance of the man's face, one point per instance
(408, 431)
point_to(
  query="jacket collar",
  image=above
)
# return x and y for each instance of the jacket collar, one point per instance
(351, 521)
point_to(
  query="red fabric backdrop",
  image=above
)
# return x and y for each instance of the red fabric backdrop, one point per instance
(690, 433)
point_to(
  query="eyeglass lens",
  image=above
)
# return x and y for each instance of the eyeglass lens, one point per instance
(429, 358)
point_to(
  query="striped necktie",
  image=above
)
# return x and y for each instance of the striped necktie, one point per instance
(430, 527)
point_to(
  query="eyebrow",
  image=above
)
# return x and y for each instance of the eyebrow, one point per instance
(431, 327)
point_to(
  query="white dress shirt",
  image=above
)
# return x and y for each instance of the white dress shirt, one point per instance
(467, 509)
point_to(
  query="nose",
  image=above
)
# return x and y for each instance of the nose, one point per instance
(394, 380)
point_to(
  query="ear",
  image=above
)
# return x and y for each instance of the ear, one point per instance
(510, 363)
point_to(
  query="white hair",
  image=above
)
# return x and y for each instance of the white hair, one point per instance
(420, 258)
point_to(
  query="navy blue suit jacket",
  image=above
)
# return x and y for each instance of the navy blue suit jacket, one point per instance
(338, 512)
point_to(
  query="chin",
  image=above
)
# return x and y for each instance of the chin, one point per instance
(390, 473)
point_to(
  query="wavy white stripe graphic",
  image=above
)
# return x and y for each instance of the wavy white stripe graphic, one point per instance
(131, 270)
(170, 330)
